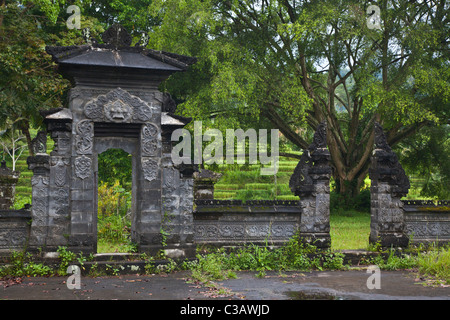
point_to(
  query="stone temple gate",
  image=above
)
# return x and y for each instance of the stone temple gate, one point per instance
(114, 103)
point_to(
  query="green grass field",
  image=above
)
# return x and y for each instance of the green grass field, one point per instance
(349, 230)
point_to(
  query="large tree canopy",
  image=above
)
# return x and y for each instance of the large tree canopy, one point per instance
(298, 63)
(27, 80)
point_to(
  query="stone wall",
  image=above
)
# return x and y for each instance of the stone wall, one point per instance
(14, 230)
(232, 223)
(427, 222)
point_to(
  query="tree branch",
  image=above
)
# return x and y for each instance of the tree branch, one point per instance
(290, 155)
(408, 131)
(279, 123)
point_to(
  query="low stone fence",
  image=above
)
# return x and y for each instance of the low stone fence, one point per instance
(427, 221)
(234, 223)
(14, 230)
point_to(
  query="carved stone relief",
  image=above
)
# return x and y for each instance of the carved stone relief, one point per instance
(39, 143)
(83, 167)
(118, 111)
(313, 165)
(84, 140)
(60, 168)
(242, 230)
(150, 169)
(62, 142)
(118, 106)
(149, 140)
(61, 201)
(39, 181)
(93, 111)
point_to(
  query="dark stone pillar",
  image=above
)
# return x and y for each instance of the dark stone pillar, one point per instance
(311, 182)
(40, 165)
(204, 184)
(59, 125)
(389, 184)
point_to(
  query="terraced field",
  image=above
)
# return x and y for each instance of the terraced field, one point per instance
(246, 183)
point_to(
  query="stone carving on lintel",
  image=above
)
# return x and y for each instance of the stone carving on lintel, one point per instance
(118, 106)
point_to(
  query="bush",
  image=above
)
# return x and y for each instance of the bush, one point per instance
(294, 255)
(21, 200)
(114, 223)
(22, 265)
(435, 263)
(114, 228)
(113, 199)
(246, 195)
(360, 202)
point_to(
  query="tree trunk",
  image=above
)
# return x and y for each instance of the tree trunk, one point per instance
(25, 128)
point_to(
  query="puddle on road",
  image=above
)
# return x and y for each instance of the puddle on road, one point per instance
(301, 295)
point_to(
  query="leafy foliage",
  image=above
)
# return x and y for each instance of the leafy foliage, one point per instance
(427, 154)
(282, 64)
(299, 63)
(28, 81)
(115, 164)
(114, 222)
(22, 264)
(113, 200)
(294, 255)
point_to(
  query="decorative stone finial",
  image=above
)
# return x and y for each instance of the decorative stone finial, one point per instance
(385, 164)
(40, 143)
(314, 161)
(117, 36)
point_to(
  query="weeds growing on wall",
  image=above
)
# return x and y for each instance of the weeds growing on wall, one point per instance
(218, 264)
(212, 264)
(435, 263)
(21, 264)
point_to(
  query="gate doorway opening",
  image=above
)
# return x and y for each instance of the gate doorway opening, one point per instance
(114, 202)
(350, 218)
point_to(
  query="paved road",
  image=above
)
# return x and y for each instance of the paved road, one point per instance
(345, 285)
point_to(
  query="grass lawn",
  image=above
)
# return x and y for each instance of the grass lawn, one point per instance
(349, 229)
(113, 247)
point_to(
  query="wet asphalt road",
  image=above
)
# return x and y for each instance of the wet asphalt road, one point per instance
(326, 285)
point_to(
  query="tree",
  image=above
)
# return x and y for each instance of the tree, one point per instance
(298, 63)
(427, 154)
(133, 15)
(10, 140)
(28, 81)
(28, 78)
(115, 165)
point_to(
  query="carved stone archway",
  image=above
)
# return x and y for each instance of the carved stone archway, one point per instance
(114, 103)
